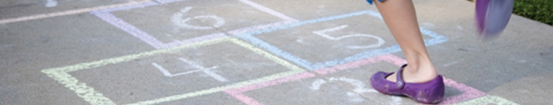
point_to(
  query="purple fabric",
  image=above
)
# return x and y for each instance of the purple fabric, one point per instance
(481, 9)
(498, 15)
(492, 16)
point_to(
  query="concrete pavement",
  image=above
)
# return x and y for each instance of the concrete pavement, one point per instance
(211, 52)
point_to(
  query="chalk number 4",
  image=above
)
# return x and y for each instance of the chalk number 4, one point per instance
(322, 33)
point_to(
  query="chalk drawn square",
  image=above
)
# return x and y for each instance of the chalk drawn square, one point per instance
(253, 37)
(169, 23)
(357, 83)
(304, 42)
(88, 83)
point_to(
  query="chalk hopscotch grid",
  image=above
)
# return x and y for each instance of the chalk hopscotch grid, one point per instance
(61, 74)
(467, 92)
(250, 37)
(154, 42)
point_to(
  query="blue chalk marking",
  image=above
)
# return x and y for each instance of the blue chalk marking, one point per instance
(250, 37)
(276, 51)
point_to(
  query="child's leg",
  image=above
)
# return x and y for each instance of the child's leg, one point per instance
(400, 17)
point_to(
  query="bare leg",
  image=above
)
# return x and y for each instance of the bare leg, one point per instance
(400, 17)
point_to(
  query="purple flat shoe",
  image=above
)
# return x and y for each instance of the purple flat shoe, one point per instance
(430, 92)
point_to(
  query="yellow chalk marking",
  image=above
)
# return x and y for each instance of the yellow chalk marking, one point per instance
(488, 99)
(293, 70)
(61, 74)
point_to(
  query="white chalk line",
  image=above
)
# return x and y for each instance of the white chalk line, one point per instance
(357, 91)
(452, 63)
(268, 10)
(293, 70)
(169, 74)
(162, 70)
(323, 32)
(94, 97)
(210, 36)
(262, 8)
(317, 84)
(151, 40)
(68, 12)
(177, 20)
(205, 70)
(214, 90)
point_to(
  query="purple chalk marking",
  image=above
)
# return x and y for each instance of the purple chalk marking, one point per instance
(142, 5)
(154, 42)
(121, 24)
(149, 39)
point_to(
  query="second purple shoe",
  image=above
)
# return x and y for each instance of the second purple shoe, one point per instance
(430, 92)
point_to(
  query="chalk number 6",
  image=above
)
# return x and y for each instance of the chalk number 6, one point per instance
(179, 21)
(322, 33)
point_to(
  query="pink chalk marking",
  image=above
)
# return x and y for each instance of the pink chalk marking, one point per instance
(244, 98)
(468, 92)
(388, 58)
(237, 92)
(273, 82)
(69, 12)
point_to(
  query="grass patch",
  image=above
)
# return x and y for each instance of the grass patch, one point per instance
(539, 10)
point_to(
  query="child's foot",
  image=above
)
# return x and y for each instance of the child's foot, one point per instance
(428, 91)
(415, 77)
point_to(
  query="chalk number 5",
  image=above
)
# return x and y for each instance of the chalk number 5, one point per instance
(322, 33)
